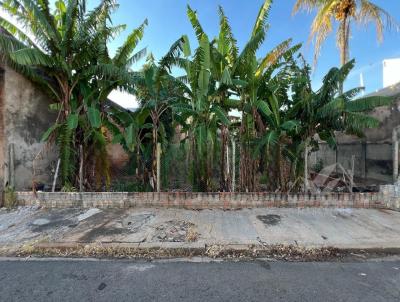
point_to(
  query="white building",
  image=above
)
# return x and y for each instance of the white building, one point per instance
(391, 72)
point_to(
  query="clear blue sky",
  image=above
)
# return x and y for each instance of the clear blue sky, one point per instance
(168, 21)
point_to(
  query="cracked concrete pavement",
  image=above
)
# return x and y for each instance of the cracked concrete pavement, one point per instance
(311, 228)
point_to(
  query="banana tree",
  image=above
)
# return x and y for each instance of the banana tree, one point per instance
(222, 53)
(328, 110)
(131, 130)
(200, 111)
(157, 91)
(65, 53)
(253, 76)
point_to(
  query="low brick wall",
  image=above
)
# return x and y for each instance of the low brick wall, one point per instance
(201, 200)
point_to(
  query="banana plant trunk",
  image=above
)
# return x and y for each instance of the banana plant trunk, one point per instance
(306, 176)
(154, 151)
(224, 175)
(247, 162)
(200, 166)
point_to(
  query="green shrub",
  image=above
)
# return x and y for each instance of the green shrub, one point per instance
(319, 166)
(68, 188)
(10, 198)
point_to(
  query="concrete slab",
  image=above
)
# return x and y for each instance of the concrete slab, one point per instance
(341, 228)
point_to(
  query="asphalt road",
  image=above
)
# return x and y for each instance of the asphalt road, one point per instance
(86, 280)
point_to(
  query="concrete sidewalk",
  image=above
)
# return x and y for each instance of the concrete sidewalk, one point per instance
(308, 228)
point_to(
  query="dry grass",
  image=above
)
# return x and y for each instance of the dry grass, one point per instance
(192, 235)
(10, 198)
(101, 251)
(278, 252)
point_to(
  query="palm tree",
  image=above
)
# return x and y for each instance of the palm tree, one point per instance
(344, 12)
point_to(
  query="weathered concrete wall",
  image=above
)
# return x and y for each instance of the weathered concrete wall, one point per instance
(373, 153)
(373, 161)
(2, 136)
(118, 159)
(26, 117)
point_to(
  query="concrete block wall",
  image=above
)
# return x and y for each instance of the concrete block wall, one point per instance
(372, 160)
(201, 200)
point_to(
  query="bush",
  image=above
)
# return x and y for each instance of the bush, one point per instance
(10, 198)
(319, 166)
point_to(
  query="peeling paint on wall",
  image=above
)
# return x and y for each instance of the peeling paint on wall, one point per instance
(26, 116)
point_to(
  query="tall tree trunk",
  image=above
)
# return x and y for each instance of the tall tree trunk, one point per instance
(154, 152)
(139, 165)
(137, 161)
(279, 166)
(344, 44)
(201, 165)
(306, 180)
(248, 165)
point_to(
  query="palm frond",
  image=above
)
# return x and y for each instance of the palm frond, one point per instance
(369, 12)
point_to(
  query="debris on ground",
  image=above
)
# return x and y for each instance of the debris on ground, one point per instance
(154, 233)
(274, 252)
(175, 231)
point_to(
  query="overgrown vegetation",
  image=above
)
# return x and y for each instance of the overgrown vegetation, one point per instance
(64, 50)
(279, 117)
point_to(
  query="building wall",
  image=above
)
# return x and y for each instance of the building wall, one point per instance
(2, 137)
(26, 116)
(373, 153)
(391, 74)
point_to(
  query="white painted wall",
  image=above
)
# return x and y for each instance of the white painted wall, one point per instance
(391, 72)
